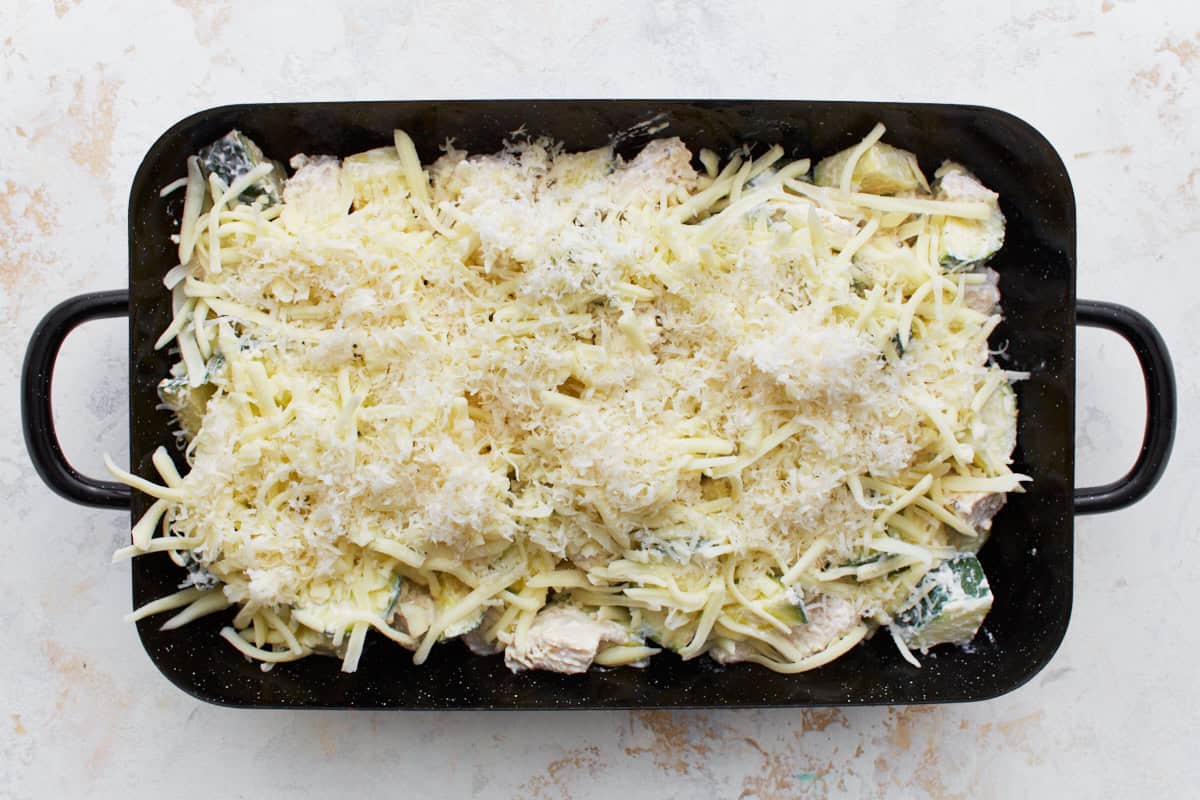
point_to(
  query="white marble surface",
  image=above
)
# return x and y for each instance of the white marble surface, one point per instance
(86, 86)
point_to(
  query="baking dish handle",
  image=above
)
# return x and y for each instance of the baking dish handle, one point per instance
(37, 419)
(1159, 435)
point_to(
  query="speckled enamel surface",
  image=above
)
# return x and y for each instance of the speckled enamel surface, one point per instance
(88, 85)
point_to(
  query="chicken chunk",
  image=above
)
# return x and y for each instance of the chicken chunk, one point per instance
(476, 639)
(316, 195)
(562, 639)
(838, 230)
(978, 508)
(728, 651)
(829, 617)
(984, 297)
(413, 611)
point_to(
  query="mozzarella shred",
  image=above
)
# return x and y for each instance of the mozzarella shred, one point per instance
(724, 412)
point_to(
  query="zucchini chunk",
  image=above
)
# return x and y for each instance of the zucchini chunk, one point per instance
(967, 243)
(882, 169)
(654, 627)
(994, 430)
(452, 593)
(198, 574)
(948, 605)
(188, 403)
(232, 156)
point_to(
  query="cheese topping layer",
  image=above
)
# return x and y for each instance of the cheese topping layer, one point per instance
(574, 407)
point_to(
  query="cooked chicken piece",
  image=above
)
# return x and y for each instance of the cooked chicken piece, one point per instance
(316, 195)
(978, 508)
(414, 610)
(829, 617)
(838, 230)
(728, 651)
(474, 639)
(562, 639)
(984, 297)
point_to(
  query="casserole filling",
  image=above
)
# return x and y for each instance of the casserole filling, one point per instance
(579, 409)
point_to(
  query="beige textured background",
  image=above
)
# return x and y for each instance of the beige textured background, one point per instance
(86, 86)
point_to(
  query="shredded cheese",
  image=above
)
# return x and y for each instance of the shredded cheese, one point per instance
(726, 412)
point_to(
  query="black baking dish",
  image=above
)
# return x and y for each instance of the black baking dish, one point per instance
(1028, 558)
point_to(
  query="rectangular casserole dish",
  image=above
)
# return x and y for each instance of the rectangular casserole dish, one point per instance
(1028, 559)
